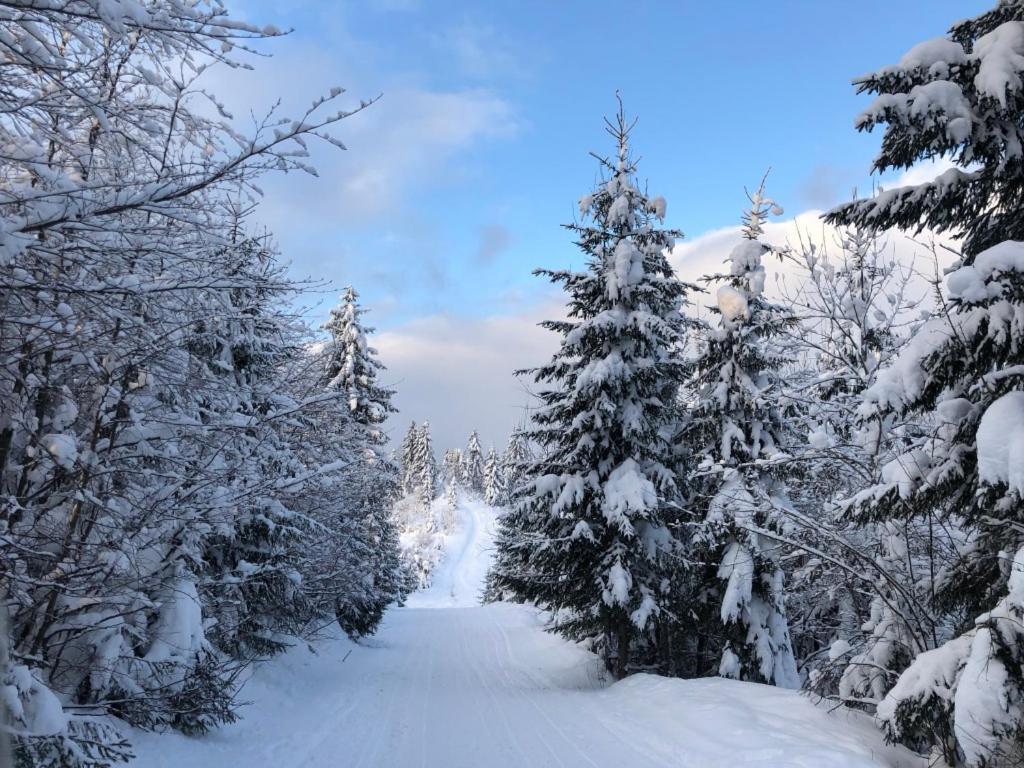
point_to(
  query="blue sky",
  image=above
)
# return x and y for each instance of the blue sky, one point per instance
(456, 182)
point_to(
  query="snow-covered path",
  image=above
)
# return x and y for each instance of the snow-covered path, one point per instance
(447, 683)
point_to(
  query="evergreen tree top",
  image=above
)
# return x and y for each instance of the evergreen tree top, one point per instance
(761, 206)
(618, 219)
(740, 297)
(621, 346)
(958, 97)
(351, 366)
(738, 418)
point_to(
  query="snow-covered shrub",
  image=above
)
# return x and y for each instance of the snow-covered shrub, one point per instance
(422, 534)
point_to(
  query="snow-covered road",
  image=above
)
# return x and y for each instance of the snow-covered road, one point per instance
(447, 683)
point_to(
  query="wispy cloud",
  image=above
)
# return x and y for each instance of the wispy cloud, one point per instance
(494, 239)
(414, 138)
(479, 51)
(458, 371)
(362, 219)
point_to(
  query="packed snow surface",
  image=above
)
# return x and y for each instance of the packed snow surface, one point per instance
(448, 683)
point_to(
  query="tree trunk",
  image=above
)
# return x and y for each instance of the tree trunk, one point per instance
(622, 662)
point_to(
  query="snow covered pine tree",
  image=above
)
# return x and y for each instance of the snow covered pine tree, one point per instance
(515, 461)
(452, 469)
(410, 475)
(473, 466)
(734, 429)
(961, 96)
(451, 466)
(590, 538)
(494, 481)
(355, 367)
(426, 466)
(376, 578)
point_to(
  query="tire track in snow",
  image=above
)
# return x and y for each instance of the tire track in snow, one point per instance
(487, 692)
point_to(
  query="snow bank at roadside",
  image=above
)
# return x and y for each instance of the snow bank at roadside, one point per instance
(294, 702)
(717, 722)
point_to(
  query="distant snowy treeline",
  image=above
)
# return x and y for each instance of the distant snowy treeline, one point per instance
(425, 514)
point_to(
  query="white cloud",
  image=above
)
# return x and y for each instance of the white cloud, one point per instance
(707, 253)
(415, 140)
(412, 138)
(458, 372)
(479, 50)
(922, 173)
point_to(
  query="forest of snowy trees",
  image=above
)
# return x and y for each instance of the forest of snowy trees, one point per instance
(821, 489)
(425, 513)
(190, 478)
(806, 470)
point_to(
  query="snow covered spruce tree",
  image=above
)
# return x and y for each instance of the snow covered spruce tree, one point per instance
(375, 577)
(451, 470)
(473, 466)
(961, 96)
(961, 372)
(136, 435)
(355, 367)
(515, 460)
(451, 494)
(240, 343)
(451, 466)
(494, 482)
(591, 537)
(426, 467)
(409, 474)
(734, 431)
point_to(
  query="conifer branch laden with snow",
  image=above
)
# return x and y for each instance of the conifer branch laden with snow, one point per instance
(959, 94)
